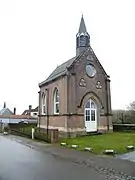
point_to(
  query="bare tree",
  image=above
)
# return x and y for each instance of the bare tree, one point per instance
(124, 116)
(131, 106)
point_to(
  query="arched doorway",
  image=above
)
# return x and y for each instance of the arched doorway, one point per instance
(90, 116)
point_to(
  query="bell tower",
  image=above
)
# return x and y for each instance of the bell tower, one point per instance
(82, 38)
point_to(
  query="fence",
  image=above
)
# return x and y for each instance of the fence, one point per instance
(21, 125)
(124, 127)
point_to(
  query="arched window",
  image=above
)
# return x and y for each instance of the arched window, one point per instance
(43, 103)
(56, 101)
(82, 41)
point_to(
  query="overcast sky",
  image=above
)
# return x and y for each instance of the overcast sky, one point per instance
(38, 35)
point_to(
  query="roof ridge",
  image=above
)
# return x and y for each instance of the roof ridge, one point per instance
(66, 61)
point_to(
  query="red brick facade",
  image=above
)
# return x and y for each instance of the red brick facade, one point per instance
(79, 81)
(72, 98)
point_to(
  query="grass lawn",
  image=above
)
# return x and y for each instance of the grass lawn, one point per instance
(116, 141)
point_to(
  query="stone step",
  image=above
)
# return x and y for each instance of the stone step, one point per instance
(94, 133)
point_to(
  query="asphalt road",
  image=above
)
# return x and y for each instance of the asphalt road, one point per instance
(19, 162)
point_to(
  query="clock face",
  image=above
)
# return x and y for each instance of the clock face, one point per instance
(90, 70)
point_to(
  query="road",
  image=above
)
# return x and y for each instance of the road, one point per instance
(19, 162)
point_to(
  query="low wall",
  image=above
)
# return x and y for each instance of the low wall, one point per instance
(50, 136)
(123, 127)
(53, 134)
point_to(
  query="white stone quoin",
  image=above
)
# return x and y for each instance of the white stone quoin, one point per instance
(109, 151)
(63, 144)
(74, 146)
(88, 149)
(130, 147)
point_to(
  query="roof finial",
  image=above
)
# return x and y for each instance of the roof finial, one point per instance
(82, 13)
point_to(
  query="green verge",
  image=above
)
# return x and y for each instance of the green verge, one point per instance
(116, 141)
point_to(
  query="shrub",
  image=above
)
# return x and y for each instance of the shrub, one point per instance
(6, 129)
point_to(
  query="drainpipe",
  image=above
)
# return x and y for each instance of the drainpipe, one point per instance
(39, 109)
(107, 105)
(47, 111)
(68, 116)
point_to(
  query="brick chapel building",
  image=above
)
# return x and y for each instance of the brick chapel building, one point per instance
(75, 98)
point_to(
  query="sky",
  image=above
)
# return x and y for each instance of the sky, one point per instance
(36, 36)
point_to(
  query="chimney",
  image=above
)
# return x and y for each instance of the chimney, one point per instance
(4, 105)
(30, 107)
(14, 110)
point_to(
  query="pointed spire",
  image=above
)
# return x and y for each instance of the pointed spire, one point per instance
(4, 105)
(82, 38)
(82, 27)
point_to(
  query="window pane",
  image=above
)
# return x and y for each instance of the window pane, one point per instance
(87, 112)
(82, 41)
(93, 105)
(44, 111)
(87, 118)
(43, 99)
(88, 104)
(56, 101)
(57, 108)
(92, 115)
(56, 96)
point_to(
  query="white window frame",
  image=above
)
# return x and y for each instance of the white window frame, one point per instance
(43, 104)
(90, 109)
(55, 103)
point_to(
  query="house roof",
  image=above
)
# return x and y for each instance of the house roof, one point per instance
(36, 109)
(6, 111)
(26, 112)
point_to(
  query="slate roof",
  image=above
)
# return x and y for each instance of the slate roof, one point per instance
(36, 109)
(82, 27)
(60, 70)
(26, 112)
(6, 111)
